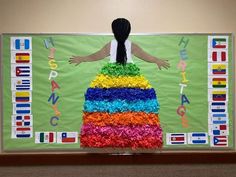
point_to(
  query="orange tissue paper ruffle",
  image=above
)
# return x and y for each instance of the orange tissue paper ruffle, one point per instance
(125, 118)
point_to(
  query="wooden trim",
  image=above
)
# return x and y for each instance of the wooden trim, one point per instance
(106, 159)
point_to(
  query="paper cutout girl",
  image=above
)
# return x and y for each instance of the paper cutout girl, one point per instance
(121, 107)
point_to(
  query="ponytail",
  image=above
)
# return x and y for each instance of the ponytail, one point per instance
(121, 29)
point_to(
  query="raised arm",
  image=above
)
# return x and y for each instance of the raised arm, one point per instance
(140, 53)
(102, 53)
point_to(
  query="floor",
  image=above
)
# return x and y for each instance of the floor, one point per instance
(219, 170)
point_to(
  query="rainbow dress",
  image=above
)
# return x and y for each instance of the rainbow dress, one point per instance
(121, 110)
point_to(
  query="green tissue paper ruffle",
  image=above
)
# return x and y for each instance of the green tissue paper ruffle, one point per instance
(113, 69)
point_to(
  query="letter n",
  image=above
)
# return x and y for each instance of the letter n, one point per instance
(53, 98)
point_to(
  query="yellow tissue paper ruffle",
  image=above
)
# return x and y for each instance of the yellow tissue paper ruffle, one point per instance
(105, 81)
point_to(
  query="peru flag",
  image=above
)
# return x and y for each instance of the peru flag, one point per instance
(217, 56)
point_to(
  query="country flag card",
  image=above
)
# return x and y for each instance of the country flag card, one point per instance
(67, 137)
(21, 84)
(219, 141)
(197, 138)
(217, 69)
(218, 107)
(218, 55)
(22, 108)
(22, 132)
(22, 120)
(218, 118)
(21, 96)
(218, 129)
(45, 137)
(220, 95)
(176, 138)
(21, 43)
(21, 57)
(20, 70)
(217, 82)
(218, 42)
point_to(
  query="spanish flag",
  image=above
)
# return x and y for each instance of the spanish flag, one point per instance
(219, 82)
(22, 97)
(22, 57)
(219, 68)
(219, 95)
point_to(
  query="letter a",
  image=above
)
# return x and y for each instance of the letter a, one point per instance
(184, 99)
(54, 85)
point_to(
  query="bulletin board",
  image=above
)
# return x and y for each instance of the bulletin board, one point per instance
(49, 104)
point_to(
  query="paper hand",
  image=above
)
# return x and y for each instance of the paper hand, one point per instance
(75, 60)
(162, 63)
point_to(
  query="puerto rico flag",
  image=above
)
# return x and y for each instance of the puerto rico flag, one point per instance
(21, 96)
(21, 84)
(217, 56)
(21, 43)
(67, 137)
(21, 70)
(22, 120)
(45, 137)
(22, 132)
(218, 107)
(176, 138)
(218, 118)
(219, 141)
(22, 108)
(197, 138)
(218, 129)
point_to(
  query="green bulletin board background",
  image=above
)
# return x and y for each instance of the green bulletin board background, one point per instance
(74, 81)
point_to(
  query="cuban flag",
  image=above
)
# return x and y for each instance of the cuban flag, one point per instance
(45, 137)
(218, 118)
(22, 132)
(219, 141)
(176, 138)
(218, 129)
(21, 84)
(22, 108)
(197, 138)
(21, 43)
(21, 96)
(218, 107)
(22, 120)
(21, 70)
(67, 137)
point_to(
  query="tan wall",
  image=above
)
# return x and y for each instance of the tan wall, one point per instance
(97, 15)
